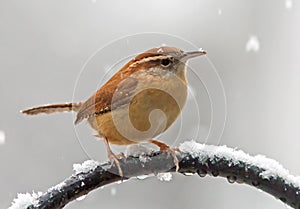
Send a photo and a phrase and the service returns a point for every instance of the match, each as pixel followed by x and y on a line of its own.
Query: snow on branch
pixel 235 165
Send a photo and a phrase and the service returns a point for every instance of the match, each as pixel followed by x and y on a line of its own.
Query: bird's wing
pixel 119 88
pixel 113 95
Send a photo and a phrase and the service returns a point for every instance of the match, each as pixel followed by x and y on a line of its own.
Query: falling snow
pixel 113 191
pixel 289 4
pixel 200 50
pixel 252 44
pixel 160 50
pixel 219 11
pixel 2 137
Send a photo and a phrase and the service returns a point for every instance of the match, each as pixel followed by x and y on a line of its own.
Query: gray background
pixel 44 44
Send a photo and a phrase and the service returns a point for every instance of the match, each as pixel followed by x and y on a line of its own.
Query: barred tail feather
pixel 54 108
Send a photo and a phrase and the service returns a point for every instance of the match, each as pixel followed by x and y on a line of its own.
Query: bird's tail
pixel 54 108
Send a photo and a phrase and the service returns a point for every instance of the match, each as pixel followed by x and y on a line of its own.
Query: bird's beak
pixel 189 55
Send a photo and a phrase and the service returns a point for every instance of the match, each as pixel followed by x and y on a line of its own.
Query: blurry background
pixel 44 45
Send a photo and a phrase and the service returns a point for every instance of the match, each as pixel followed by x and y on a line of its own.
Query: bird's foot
pixel 114 159
pixel 172 152
pixel 169 150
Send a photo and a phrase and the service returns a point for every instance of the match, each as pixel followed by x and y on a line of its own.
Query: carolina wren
pixel 136 104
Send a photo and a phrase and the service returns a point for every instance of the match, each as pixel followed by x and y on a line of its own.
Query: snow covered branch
pixel 235 165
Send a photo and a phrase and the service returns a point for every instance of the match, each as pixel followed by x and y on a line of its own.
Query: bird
pixel 138 103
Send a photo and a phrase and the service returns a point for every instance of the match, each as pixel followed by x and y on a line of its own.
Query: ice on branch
pixel 271 167
pixel 58 187
pixel 24 200
pixel 137 150
pixel 85 167
pixel 194 156
pixel 142 177
pixel 81 198
pixel 164 176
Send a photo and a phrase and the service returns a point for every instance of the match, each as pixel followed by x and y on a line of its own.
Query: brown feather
pixel 100 102
pixel 119 87
pixel 54 108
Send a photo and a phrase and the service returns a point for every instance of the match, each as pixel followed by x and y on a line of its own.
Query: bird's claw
pixel 114 160
pixel 172 152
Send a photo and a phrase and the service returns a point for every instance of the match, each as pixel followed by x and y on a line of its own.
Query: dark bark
pixel 158 162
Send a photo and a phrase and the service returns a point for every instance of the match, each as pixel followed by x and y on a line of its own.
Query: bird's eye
pixel 165 62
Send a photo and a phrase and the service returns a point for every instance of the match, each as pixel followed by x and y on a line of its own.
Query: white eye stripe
pixel 146 59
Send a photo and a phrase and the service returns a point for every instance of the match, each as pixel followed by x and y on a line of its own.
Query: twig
pixel 234 165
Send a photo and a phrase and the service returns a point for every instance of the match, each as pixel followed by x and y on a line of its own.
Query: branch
pixel 235 165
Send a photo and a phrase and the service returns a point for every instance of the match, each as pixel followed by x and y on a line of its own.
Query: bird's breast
pixel 152 109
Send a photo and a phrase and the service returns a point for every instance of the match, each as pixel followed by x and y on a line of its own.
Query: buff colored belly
pixel 150 113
